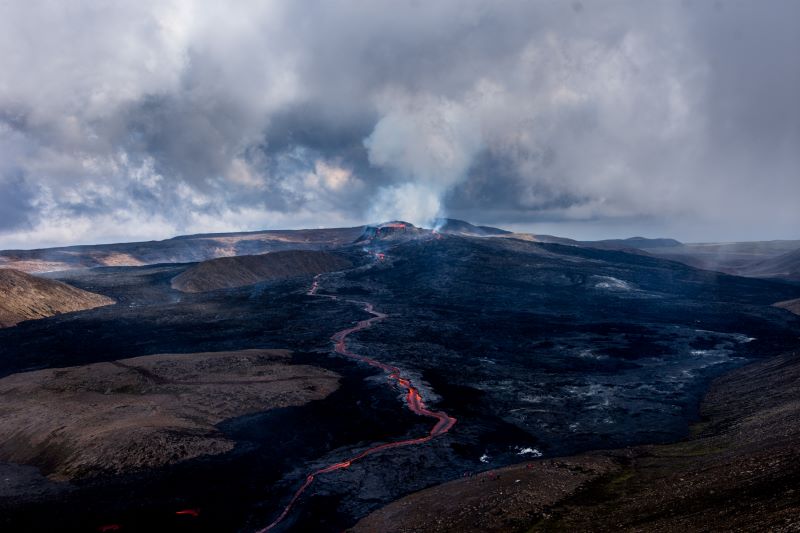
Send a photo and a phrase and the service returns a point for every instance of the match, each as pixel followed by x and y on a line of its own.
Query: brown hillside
pixel 144 412
pixel 26 297
pixel 791 305
pixel 228 272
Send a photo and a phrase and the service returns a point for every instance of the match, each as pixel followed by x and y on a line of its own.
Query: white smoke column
pixel 410 202
pixel 428 144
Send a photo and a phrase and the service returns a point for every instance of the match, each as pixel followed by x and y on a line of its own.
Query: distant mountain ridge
pixel 182 249
pixel 762 259
pixel 772 259
pixel 460 227
pixel 785 266
pixel 633 242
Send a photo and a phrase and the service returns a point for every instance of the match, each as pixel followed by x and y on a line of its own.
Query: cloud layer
pixel 138 120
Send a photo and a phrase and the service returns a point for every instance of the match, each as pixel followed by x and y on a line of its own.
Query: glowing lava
pixel 413 400
pixel 194 513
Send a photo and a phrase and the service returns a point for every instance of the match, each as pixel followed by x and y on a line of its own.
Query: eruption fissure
pixel 413 400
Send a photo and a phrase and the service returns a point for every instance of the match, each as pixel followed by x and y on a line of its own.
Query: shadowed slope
pixel 228 272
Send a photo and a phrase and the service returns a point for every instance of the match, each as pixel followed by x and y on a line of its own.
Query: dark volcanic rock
pixel 535 349
pixel 576 348
pixel 738 473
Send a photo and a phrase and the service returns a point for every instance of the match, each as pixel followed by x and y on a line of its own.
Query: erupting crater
pixel 391 231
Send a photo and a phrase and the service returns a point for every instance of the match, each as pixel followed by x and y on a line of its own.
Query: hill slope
pixel 777 259
pixel 26 297
pixel 785 266
pixel 229 272
pixel 144 412
pixel 184 249
pixel 460 227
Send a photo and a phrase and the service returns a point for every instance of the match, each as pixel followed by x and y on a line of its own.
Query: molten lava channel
pixel 413 400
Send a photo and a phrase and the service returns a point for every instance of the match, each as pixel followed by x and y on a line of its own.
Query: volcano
pixel 304 390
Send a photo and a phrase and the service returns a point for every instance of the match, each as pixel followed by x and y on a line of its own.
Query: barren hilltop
pixel 26 297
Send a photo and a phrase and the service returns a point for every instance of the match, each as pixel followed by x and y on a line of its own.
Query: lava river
pixel 413 400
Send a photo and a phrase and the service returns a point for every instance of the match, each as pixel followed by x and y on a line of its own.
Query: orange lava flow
pixel 413 400
pixel 194 513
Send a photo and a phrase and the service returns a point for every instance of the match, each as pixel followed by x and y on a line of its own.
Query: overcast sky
pixel 131 120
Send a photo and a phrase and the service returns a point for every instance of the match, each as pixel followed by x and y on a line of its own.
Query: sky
pixel 140 120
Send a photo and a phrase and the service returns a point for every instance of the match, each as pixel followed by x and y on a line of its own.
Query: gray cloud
pixel 145 119
pixel 16 201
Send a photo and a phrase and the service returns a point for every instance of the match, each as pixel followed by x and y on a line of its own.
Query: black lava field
pixel 533 349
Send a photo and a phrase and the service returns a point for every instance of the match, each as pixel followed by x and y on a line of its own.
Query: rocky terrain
pixel 737 473
pixel 502 500
pixel 229 272
pixel 26 297
pixel 145 412
pixel 538 350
